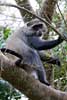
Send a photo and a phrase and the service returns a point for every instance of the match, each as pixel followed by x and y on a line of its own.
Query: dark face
pixel 37 28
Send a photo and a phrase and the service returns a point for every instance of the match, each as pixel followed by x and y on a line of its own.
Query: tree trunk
pixel 25 3
pixel 48 7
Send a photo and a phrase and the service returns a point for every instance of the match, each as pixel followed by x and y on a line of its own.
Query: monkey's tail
pixel 5 50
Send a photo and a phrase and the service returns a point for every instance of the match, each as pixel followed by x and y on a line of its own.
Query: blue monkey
pixel 26 42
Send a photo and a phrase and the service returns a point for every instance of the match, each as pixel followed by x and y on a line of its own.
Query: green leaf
pixel 6 32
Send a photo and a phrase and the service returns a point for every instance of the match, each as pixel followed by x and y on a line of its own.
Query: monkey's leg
pixel 42 76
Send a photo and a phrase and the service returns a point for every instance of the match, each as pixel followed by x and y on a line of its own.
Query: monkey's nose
pixel 39 33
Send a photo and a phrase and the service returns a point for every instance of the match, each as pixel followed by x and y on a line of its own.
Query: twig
pixel 30 12
pixel 61 14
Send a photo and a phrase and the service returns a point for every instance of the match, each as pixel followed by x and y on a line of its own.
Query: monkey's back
pixel 29 55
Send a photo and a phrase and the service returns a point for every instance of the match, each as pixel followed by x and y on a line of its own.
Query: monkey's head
pixel 37 28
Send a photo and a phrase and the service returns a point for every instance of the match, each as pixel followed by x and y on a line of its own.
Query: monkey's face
pixel 37 28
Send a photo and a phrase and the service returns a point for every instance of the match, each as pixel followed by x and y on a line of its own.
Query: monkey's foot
pixel 46 83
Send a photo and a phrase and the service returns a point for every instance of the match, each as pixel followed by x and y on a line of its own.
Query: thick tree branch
pixel 22 8
pixel 27 84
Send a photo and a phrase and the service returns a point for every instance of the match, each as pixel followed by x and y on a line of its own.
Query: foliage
pixel 61 52
pixel 7 92
pixel 6 32
pixel 60 74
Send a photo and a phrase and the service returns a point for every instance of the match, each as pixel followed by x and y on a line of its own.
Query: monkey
pixel 26 42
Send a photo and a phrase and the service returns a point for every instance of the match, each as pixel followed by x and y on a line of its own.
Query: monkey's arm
pixel 41 44
pixel 49 59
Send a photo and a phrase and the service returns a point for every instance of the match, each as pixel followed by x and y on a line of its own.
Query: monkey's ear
pixel 37 26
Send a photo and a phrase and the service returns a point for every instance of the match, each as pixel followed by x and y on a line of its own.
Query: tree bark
pixel 48 7
pixel 25 3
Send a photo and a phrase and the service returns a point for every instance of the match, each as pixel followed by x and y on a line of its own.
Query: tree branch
pixel 26 84
pixel 30 12
pixel 61 14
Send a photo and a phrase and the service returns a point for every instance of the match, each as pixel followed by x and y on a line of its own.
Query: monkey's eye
pixel 37 26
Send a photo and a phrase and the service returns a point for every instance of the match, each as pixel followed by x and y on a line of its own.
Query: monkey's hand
pixel 54 60
pixel 60 39
pixel 57 60
pixel 49 59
